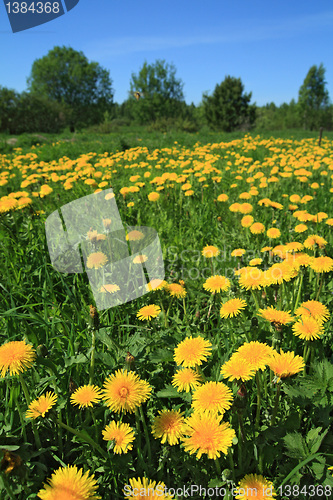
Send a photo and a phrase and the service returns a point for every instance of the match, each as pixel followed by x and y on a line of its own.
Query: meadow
pixel 217 382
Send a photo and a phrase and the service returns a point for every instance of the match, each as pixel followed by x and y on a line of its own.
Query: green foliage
pixel 65 76
pixel 228 108
pixel 161 93
pixel 313 99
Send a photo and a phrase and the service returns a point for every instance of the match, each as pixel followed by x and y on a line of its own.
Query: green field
pixel 244 222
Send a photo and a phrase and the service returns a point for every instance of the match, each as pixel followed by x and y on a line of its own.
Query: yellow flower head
pixel 256 354
pixel 16 357
pixel 217 284
pixel 86 395
pixel 125 391
pixel 285 364
pixel 42 405
pixel 69 483
pixel 121 434
pixel 255 487
pixel 192 351
pixel 186 379
pixel 232 308
pixel 237 369
pixel 148 312
pixel 176 290
pixel 307 328
pixel 169 426
pixel 212 396
pixel 207 435
pixel 210 251
pixel 314 309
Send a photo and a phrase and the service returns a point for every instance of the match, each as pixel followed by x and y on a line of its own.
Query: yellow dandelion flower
pixel 174 289
pixel 169 426
pixel 148 312
pixel 155 284
pixel 275 316
pixel 207 435
pixel 134 235
pixel 215 397
pixel 140 259
pixel 300 228
pixel 246 208
pixel 314 309
pixel 247 221
pixel 256 354
pixel 186 379
pixel 192 351
pixel 253 486
pixel 273 232
pixel 285 364
pixel 307 328
pixel 237 369
pixel 96 260
pixel 314 240
pixel 16 357
pixel 69 483
pixel 217 284
pixel 145 489
pixel 322 264
pixel 42 405
pixel 257 228
pixel 86 395
pixel 153 196
pixel 210 251
pixel 122 436
pixel 110 288
pixel 232 308
pixel 238 252
pixel 255 262
pixel 125 391
pixel 223 197
pixel 251 278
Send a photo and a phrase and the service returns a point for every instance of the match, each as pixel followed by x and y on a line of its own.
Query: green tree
pixel 8 109
pixel 83 88
pixel 161 93
pixel 313 98
pixel 228 108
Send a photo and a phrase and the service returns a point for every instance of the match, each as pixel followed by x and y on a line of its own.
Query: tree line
pixel 65 90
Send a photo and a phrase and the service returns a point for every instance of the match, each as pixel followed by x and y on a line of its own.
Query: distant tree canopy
pixel 228 108
pixel 313 99
pixel 162 93
pixel 83 88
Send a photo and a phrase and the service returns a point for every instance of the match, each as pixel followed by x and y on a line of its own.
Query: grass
pixel 282 428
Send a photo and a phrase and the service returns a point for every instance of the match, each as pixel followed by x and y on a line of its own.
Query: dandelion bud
pixel 94 316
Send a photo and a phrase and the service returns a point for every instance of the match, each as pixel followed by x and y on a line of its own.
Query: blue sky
pixel 270 45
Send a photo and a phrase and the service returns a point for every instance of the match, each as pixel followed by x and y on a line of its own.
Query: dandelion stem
pixel 255 298
pixel 84 436
pixel 167 314
pixel 92 359
pixel 320 287
pixel 258 401
pixel 27 397
pixel 95 424
pixel 146 433
pixel 276 404
pixel 138 441
pixel 218 467
pixel 299 292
